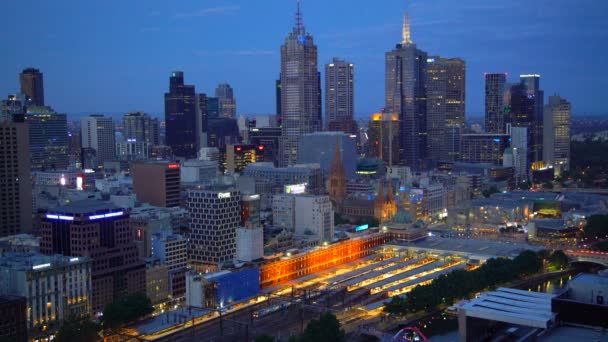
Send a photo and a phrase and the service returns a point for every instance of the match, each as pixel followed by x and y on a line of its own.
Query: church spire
pixel 406 30
pixel 299 28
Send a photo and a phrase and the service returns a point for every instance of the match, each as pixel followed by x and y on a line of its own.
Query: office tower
pixel 495 106
pixel 483 148
pixel 101 231
pixel 140 127
pixel 12 105
pixel 278 95
pixel 226 100
pixel 445 91
pixel 48 138
pixel 222 132
pixel 215 214
pixel 452 141
pixel 132 150
pixel 240 155
pixel 202 121
pixel 55 288
pixel 157 183
pixel 180 117
pixel 405 96
pixel 269 138
pixel 213 107
pixel 15 187
pixel 308 216
pixel 519 151
pixel 32 86
pixel 300 107
pixel 534 93
pixel 337 175
pixel 250 210
pixel 556 137
pixel 384 137
pixel 14 325
pixel 171 249
pixel 97 133
pixel 319 148
pixel 339 91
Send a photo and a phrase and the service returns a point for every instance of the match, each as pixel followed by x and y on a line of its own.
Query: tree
pixel 597 227
pixel 558 259
pixel 77 329
pixel 264 338
pixel 126 310
pixel 396 306
pixel 325 329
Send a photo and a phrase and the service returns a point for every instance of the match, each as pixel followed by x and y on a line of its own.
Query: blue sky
pixel 115 56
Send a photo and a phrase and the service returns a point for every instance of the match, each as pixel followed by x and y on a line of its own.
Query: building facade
pixel 405 82
pixel 48 139
pixel 102 232
pixel 13 327
pixel 15 188
pixel 300 91
pixel 319 148
pixel 495 106
pixel 180 117
pixel 141 128
pixel 97 133
pixel 55 287
pixel 384 138
pixel 214 217
pixel 32 85
pixel 166 179
pixel 339 91
pixel 483 148
pixel 556 137
pixel 226 101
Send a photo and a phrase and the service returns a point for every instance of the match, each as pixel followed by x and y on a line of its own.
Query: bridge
pixel 584 255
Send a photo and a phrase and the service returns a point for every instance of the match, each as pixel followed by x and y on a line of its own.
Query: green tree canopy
pixel 126 309
pixel 597 226
pixel 76 329
pixel 325 329
pixel 558 259
pixel 264 338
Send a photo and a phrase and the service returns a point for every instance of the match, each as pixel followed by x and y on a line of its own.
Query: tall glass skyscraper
pixel 405 77
pixel 339 92
pixel 48 135
pixel 180 117
pixel 300 93
pixel 227 102
pixel 32 85
pixel 141 127
pixel 495 106
pixel 556 137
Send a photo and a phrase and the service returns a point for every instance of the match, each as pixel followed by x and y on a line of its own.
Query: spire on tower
pixel 299 28
pixel 406 29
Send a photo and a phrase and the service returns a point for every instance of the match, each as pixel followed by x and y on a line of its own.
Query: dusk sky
pixel 116 56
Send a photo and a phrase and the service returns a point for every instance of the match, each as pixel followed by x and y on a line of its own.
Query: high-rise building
pixel 227 102
pixel 48 138
pixel 339 91
pixel 15 187
pixel 305 215
pixel 405 96
pixel 55 287
pixel 202 121
pixel 519 152
pixel 101 231
pixel 14 325
pixel 384 137
pixel 180 117
pixel 445 91
pixel 337 176
pixel 170 249
pixel 300 90
pixel 97 132
pixel 32 86
pixel 215 214
pixel 222 132
pixel 556 137
pixel 483 148
pixel 269 138
pixel 240 155
pixel 495 106
pixel 277 90
pixel 164 176
pixel 140 127
pixel 533 92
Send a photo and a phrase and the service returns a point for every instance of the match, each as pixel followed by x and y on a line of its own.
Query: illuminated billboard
pixel 296 188
pixel 362 227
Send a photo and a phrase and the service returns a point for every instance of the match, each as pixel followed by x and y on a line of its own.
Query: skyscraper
pixel 227 102
pixel 32 85
pixel 445 93
pixel 495 106
pixel 384 137
pixel 48 133
pixel 180 117
pixel 97 132
pixel 339 91
pixel 300 94
pixel 15 187
pixel 533 91
pixel 556 137
pixel 166 179
pixel 405 77
pixel 141 127
pixel 202 120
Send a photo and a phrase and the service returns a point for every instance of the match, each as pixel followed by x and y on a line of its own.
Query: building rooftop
pixel 84 207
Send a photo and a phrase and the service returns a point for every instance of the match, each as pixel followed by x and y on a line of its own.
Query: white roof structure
pixel 526 308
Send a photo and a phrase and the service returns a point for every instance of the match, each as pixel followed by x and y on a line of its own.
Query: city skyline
pixel 133 75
